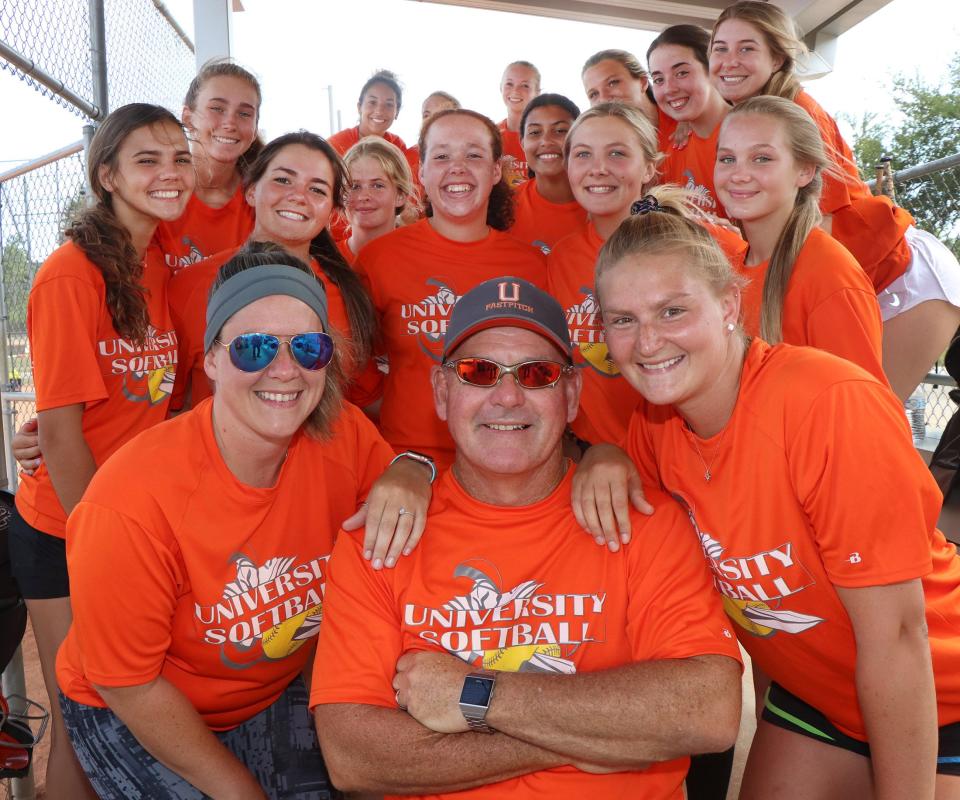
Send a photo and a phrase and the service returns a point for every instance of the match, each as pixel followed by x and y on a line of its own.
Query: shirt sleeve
pixel 123 589
pixel 674 611
pixel 64 316
pixel 871 502
pixel 360 638
pixel 847 323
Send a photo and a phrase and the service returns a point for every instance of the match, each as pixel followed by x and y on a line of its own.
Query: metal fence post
pixel 98 56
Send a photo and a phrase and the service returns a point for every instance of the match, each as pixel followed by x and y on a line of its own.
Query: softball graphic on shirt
pixel 586 334
pixel 268 612
pixel 485 595
pixel 755 587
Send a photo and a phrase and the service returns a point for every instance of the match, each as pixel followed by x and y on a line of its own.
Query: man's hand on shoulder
pixel 428 685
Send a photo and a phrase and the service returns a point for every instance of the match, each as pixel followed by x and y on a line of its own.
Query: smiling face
pixel 293 198
pixel 152 177
pixel 681 85
pixel 505 430
pixel 741 61
pixel 272 404
pixel 756 175
pixel 611 81
pixel 374 197
pixel 666 329
pixel 378 110
pixel 607 168
pixel 543 137
pixel 458 170
pixel 518 87
pixel 224 121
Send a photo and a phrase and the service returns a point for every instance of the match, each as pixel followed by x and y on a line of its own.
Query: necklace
pixel 707 474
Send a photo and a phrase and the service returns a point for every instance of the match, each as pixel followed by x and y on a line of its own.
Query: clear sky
pixel 298 47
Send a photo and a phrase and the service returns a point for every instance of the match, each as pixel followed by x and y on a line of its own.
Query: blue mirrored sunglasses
pixel 252 352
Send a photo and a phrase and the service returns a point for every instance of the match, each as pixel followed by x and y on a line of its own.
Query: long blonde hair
pixel 645 132
pixel 806 147
pixel 781 37
pixel 667 222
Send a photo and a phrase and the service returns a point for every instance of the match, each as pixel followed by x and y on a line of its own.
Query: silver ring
pixel 400 705
pixel 403 511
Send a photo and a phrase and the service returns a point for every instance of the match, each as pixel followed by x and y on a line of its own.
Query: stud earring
pixel 730 327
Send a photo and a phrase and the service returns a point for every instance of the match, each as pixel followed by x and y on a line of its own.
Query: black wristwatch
pixel 413 455
pixel 475 699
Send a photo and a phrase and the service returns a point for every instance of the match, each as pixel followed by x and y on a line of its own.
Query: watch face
pixel 476 691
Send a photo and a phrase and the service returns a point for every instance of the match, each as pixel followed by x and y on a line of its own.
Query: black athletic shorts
pixel 38 561
pixel 785 710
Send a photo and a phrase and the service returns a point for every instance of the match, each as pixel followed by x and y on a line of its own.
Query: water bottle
pixel 916 408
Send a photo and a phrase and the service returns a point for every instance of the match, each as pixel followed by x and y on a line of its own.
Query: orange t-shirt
pixel 415 277
pixel 522 589
pixel 516 170
pixel 606 400
pixel 870 227
pixel 189 292
pixel 815 484
pixel 541 223
pixel 219 585
pixel 348 137
pixel 692 167
pixel 78 357
pixel 348 255
pixel 829 303
pixel 202 231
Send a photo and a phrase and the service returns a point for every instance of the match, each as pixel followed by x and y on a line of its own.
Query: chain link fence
pixel 54 36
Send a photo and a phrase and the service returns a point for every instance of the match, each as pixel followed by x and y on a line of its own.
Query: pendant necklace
pixel 707 474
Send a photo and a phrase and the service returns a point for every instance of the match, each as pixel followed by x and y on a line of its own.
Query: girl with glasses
pixel 212 532
pixel 104 355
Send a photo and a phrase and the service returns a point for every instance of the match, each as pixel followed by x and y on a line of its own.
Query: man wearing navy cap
pixel 509 656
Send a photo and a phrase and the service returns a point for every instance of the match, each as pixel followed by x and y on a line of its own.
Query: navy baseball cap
pixel 507 302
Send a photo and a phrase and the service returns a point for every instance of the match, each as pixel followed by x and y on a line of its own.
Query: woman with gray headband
pixel 198 559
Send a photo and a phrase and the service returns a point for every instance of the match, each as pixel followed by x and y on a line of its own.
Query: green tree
pixel 18 272
pixel 928 129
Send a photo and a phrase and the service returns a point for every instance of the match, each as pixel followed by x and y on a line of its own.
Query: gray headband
pixel 253 284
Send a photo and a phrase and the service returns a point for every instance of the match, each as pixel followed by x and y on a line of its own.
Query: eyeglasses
pixel 252 352
pixel 485 372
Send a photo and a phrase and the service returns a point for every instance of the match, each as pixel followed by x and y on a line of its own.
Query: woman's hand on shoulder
pixel 394 513
pixel 605 484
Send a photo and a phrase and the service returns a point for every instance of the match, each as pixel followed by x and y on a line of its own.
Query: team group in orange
pixel 470 468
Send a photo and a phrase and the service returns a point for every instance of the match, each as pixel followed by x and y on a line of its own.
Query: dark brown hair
pixel 693 37
pixel 500 205
pixel 360 311
pixel 388 79
pixel 222 67
pixel 102 237
pixel 257 254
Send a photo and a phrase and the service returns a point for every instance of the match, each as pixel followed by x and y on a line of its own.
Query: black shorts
pixel 787 711
pixel 38 561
